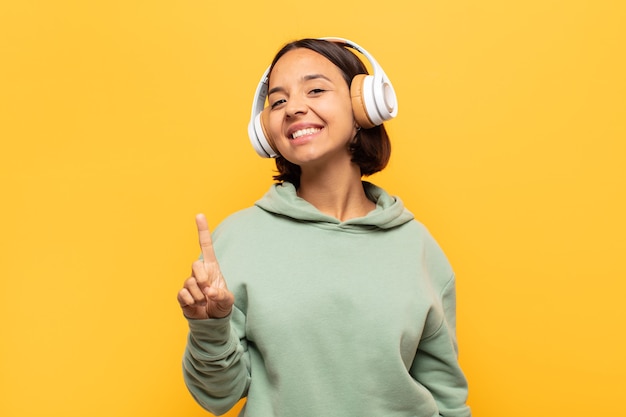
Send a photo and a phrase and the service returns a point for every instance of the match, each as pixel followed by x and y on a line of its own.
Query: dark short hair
pixel 372 148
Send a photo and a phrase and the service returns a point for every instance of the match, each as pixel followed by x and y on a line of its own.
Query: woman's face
pixel 310 115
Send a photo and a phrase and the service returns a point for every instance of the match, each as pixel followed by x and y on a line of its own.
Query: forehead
pixel 298 63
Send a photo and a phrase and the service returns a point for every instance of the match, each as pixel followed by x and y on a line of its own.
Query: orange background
pixel 119 120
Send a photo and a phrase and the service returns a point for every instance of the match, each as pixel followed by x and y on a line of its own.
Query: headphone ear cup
pixel 258 134
pixel 359 108
pixel 265 122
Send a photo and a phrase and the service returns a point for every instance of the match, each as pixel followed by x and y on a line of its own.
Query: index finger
pixel 204 237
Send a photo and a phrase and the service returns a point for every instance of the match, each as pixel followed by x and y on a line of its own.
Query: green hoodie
pixel 331 318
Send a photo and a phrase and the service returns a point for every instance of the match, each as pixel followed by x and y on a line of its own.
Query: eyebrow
pixel 305 78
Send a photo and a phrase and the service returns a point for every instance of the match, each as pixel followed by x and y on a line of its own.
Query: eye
pixel 277 103
pixel 316 91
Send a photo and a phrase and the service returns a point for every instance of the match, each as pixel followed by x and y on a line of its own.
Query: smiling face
pixel 310 113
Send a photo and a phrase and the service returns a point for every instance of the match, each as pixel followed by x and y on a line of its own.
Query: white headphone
pixel 373 101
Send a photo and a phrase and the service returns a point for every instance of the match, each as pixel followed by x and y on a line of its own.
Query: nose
pixel 295 105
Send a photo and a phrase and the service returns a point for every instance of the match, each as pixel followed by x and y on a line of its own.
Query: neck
pixel 337 192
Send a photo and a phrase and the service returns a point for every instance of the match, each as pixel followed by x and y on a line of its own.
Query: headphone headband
pixel 373 100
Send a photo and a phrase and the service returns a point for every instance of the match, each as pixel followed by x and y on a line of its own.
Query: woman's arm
pixel 216 366
pixel 436 363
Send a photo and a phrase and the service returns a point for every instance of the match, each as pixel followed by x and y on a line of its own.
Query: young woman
pixel 329 298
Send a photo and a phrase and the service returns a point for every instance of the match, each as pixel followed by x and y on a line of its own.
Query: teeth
pixel 307 131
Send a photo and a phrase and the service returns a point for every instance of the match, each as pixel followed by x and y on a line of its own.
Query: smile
pixel 303 132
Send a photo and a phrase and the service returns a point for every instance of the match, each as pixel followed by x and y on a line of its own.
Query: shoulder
pixel 432 256
pixel 419 232
pixel 242 220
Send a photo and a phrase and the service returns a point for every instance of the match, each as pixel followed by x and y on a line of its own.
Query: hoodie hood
pixel 283 200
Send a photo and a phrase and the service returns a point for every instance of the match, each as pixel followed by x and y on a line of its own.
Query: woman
pixel 329 298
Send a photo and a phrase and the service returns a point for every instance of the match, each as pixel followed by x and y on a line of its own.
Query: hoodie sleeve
pixel 216 366
pixel 436 363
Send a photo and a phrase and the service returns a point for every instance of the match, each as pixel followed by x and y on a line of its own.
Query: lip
pixel 300 126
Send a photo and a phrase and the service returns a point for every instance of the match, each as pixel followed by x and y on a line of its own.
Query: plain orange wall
pixel 119 120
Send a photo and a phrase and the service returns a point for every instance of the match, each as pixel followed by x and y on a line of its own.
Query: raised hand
pixel 205 294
